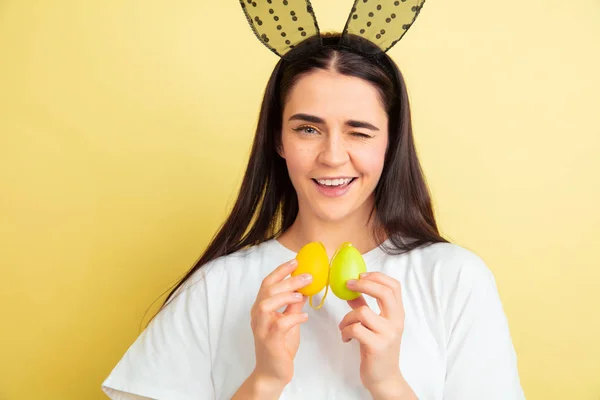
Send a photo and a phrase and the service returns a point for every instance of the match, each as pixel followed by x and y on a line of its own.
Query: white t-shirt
pixel 456 343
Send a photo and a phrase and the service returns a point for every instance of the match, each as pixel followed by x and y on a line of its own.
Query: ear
pixel 279 148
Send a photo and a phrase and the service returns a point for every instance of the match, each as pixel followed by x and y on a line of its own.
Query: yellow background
pixel 125 127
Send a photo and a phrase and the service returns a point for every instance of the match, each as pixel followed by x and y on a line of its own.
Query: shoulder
pixel 442 273
pixel 248 264
pixel 461 281
pixel 448 254
pixel 450 261
pixel 269 253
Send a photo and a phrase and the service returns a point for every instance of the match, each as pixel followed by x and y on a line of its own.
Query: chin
pixel 332 213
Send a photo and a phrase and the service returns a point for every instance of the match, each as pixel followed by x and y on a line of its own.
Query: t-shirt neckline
pixel 368 256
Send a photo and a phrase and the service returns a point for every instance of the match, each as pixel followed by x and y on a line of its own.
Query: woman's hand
pixel 379 335
pixel 277 334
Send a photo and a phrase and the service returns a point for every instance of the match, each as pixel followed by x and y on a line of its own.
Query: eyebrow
pixel 318 120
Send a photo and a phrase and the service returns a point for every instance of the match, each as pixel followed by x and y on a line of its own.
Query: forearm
pixel 396 389
pixel 257 388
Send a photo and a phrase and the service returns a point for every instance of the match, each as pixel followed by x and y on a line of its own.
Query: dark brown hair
pixel 267 204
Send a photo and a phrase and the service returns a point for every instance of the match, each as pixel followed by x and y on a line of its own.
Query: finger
pixel 288 285
pixel 262 311
pixel 386 280
pixel 360 333
pixel 271 304
pixel 367 317
pixel 295 308
pixel 384 295
pixel 287 322
pixel 279 273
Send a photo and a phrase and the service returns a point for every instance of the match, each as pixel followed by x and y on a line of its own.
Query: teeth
pixel 334 182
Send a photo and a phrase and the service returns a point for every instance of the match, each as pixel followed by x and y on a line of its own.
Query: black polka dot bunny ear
pixel 281 24
pixel 382 22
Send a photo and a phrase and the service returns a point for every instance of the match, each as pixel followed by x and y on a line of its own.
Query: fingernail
pixel 293 262
pixel 351 282
pixel 364 274
pixel 298 295
pixel 306 277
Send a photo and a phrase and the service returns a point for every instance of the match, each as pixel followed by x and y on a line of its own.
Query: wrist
pixel 264 387
pixel 395 388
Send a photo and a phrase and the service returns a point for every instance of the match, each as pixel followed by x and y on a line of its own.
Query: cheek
pixel 298 158
pixel 369 160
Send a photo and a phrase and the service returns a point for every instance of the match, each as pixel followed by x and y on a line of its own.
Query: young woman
pixel 333 161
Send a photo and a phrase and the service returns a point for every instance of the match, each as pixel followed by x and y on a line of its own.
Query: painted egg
pixel 346 264
pixel 312 259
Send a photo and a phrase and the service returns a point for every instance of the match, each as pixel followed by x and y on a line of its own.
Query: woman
pixel 333 161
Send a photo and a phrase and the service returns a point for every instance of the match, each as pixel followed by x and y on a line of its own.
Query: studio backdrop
pixel 125 127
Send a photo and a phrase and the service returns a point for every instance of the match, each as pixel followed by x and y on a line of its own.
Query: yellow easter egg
pixel 346 264
pixel 312 259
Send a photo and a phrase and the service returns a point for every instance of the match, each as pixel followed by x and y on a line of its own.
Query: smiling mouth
pixel 334 183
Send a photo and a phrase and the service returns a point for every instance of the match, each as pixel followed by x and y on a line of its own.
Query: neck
pixel 357 229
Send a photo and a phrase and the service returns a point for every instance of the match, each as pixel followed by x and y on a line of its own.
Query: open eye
pixel 307 130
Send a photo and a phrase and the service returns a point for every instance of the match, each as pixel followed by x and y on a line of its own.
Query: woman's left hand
pixel 379 335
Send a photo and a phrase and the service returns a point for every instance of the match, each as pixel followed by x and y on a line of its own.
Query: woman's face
pixel 334 139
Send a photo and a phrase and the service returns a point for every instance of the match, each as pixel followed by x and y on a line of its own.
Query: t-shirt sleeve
pixel 481 359
pixel 171 359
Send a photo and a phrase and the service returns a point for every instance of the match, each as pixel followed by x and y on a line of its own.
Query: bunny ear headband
pixel 282 24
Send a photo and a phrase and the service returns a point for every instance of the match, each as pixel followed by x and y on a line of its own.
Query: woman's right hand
pixel 277 334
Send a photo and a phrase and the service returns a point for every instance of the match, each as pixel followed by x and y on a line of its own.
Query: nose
pixel 333 152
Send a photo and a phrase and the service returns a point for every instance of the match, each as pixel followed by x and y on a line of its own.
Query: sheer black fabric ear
pixel 281 24
pixel 382 22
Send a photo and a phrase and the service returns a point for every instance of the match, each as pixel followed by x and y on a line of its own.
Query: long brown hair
pixel 267 204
